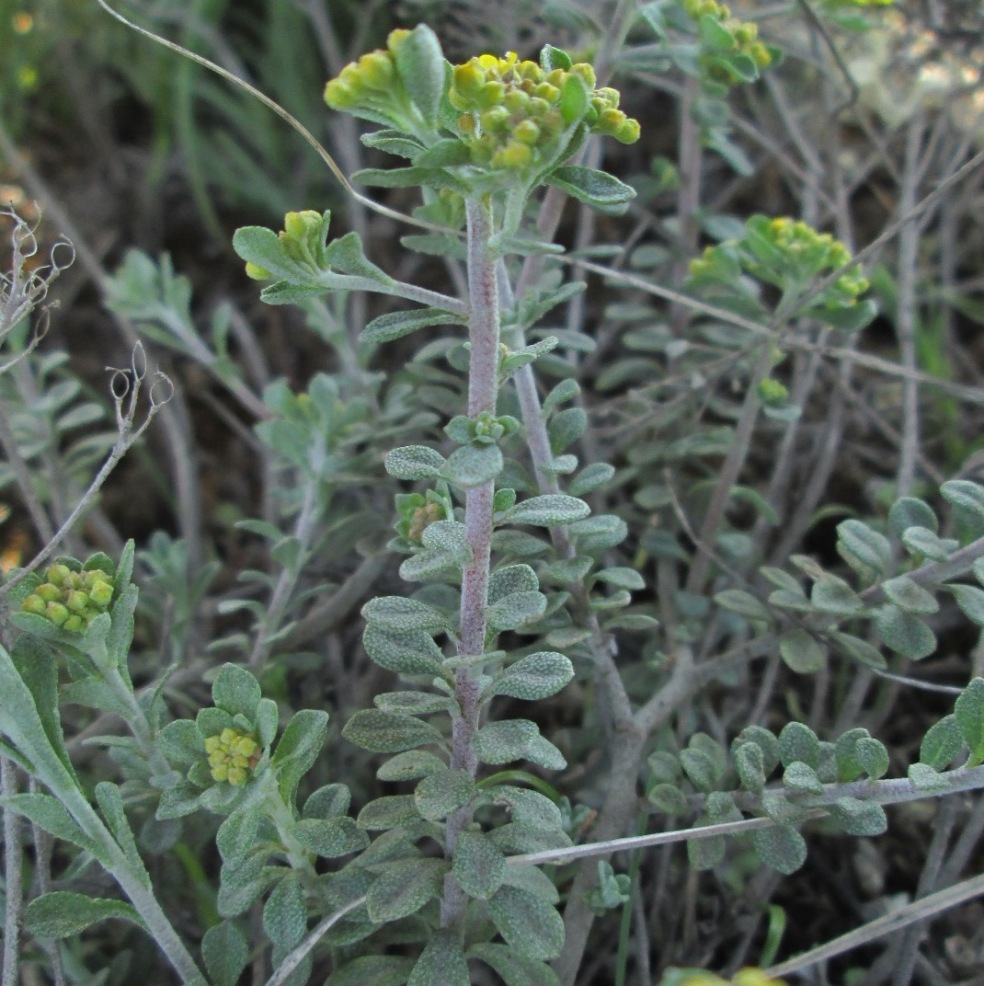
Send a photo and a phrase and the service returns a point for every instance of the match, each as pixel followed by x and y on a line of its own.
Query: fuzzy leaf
pixel 389 732
pixel 473 465
pixel 856 817
pixel 834 595
pixel 285 914
pixel 414 462
pixel 400 613
pixel 867 551
pixel 395 325
pixel 516 610
pixel 49 814
pixel 904 633
pixel 800 651
pixel 409 652
pixel 404 887
pixel 550 510
pixel 743 603
pixel 534 677
pixel 968 712
pixel 799 777
pixel 909 512
pixel 372 970
pixel 410 765
pixel 780 847
pixel 942 742
pixel 598 189
pixel 420 66
pixel 798 742
pixel 64 913
pixel 298 748
pixel 503 742
pixel 512 578
pixel 513 969
pixel 478 865
pixel 441 962
pixel 530 925
pixel 970 599
pixel 225 952
pixel 330 837
pixel 236 690
pixel 388 812
pixel 909 596
pixel 858 650
pixel 442 792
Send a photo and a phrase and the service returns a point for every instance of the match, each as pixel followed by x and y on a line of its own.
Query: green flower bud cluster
pixel 834 4
pixel 779 249
pixel 232 756
pixel 303 240
pixel 744 39
pixel 417 512
pixel 514 114
pixel 369 82
pixel 71 599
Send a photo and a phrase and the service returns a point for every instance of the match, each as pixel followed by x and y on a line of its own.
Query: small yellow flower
pixel 232 756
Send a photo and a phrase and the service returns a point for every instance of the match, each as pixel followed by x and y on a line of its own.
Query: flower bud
pixel 513 155
pixel 232 756
pixel 58 573
pixel 48 592
pixel 257 273
pixel 77 601
pixel 57 613
pixel 34 604
pixel 396 38
pixel 586 72
pixel 491 94
pixel 101 594
pixel 76 623
pixel 468 79
pixel 377 70
pixel 527 132
pixel 628 132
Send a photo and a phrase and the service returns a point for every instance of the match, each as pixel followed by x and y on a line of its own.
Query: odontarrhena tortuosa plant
pixel 481 139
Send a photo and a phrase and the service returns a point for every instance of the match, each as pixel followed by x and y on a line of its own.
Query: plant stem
pixel 483 385
pixel 12 876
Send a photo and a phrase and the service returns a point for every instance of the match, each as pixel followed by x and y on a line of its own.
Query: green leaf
pixel 534 677
pixel 833 595
pixel 410 765
pixel 63 913
pixel 781 847
pixel 503 742
pixel 261 246
pixel 420 66
pixel 623 578
pixel 970 599
pixel 441 962
pixel 346 256
pixel 705 854
pixel 909 596
pixel 858 650
pixel 848 765
pixel 800 651
pixel 856 817
pixel 473 465
pixel 236 690
pixel 394 325
pixel 400 613
pixel 414 462
pixel 298 748
pixel 237 834
pixel 909 512
pixel 388 812
pixel 442 792
pixel 530 925
pixel 285 914
pixel 479 865
pixel 372 970
pixel 516 610
pixel 590 478
pixel 330 837
pixel 404 887
pixel 921 541
pixel 700 769
pixel 598 189
pixel 798 742
pixel 941 744
pixel 550 510
pixel 851 318
pixel 49 814
pixel 447 153
pixel 865 550
pixel 225 952
pixel 872 756
pixel 744 603
pixel 968 501
pixel 668 799
pixel 389 732
pixel 409 652
pixel 968 711
pixel 925 778
pixel 411 177
pixel 513 969
pixel 800 777
pixel 750 764
pixel 904 633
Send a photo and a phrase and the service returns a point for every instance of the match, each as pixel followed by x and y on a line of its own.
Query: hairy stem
pixel 483 385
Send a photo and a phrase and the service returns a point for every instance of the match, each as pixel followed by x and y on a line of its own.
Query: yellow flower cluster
pixel 816 251
pixel 744 35
pixel 368 81
pixel 513 113
pixel 71 600
pixel 232 756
